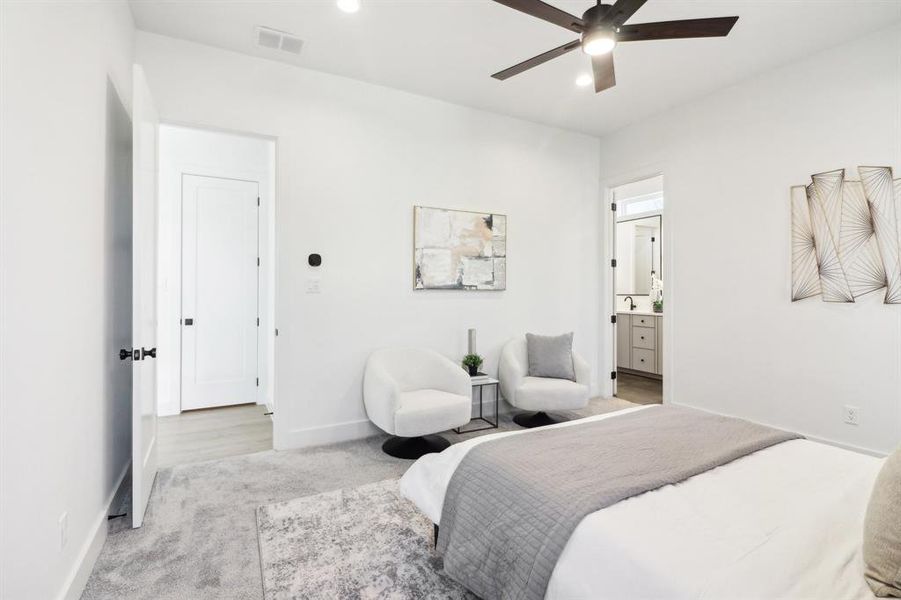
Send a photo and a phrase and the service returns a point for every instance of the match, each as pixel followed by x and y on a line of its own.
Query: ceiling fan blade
pixel 536 60
pixel 602 69
pixel 621 11
pixel 669 30
pixel 546 12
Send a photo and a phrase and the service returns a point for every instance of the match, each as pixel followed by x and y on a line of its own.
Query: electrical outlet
pixel 851 414
pixel 63 530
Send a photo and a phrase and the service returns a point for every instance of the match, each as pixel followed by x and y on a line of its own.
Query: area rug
pixel 364 542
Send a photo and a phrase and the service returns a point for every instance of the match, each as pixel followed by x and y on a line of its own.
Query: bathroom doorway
pixel 638 282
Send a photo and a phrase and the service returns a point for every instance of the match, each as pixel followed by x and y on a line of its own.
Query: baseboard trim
pixel 167 410
pixel 327 434
pixel 645 374
pixel 812 438
pixel 90 550
pixel 844 446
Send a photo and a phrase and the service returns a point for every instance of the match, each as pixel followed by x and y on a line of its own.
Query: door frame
pixel 608 304
pixel 170 287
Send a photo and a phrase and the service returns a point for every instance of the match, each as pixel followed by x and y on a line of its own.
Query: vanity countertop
pixel 644 313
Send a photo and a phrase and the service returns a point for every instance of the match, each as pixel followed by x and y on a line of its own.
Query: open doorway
pixel 216 224
pixel 638 294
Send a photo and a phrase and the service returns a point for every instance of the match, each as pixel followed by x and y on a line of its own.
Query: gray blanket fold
pixel 513 503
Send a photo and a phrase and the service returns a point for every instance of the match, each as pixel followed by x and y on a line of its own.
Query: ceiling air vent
pixel 273 39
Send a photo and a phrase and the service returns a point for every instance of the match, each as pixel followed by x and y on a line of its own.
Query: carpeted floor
pixel 199 538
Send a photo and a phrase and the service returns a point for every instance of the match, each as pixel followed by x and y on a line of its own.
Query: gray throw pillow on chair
pixel 551 356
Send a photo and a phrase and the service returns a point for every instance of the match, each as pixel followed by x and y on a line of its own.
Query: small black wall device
pixel 315 260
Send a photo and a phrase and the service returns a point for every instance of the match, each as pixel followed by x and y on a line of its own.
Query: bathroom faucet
pixel 631 302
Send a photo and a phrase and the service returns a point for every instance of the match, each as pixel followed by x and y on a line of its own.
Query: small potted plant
pixel 472 362
pixel 658 306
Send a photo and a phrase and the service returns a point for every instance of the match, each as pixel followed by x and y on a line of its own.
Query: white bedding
pixel 784 522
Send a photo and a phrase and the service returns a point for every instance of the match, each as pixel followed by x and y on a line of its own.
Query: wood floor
pixel 641 390
pixel 199 435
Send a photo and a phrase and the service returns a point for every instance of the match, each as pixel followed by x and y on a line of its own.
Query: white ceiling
pixel 448 49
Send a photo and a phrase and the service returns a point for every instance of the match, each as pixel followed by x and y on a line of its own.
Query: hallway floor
pixel 199 435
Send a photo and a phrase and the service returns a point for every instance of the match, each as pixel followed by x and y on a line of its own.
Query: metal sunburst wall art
pixel 846 236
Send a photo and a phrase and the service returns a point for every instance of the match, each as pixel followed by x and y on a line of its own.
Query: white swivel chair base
pixel 536 419
pixel 414 447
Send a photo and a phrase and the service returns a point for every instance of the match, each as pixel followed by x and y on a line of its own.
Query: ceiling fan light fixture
pixel 598 41
pixel 349 6
pixel 600 28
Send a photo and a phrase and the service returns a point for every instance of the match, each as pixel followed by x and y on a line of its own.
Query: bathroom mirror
pixel 638 254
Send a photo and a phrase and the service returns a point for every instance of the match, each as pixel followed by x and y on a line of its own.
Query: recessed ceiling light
pixel 349 6
pixel 584 80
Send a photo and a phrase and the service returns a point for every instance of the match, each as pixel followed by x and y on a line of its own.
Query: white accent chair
pixel 540 394
pixel 410 393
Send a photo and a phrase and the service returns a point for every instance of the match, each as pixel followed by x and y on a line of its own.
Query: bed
pixel 782 522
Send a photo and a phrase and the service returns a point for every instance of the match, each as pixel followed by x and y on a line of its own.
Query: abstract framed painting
pixel 459 250
pixel 846 236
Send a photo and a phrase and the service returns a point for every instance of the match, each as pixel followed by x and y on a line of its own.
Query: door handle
pixel 145 353
pixel 189 322
pixel 125 353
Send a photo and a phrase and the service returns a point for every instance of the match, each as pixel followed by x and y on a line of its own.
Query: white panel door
pixel 219 292
pixel 145 130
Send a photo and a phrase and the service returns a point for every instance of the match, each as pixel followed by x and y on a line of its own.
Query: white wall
pixel 353 160
pixel 64 403
pixel 214 154
pixel 735 342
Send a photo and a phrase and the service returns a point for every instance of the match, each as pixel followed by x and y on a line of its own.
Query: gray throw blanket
pixel 513 503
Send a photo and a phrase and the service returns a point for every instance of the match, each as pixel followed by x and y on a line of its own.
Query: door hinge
pixel 258 261
pixel 613 207
pixel 613 263
pixel 258 321
pixel 258 382
pixel 612 374
pixel 613 319
pixel 258 200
